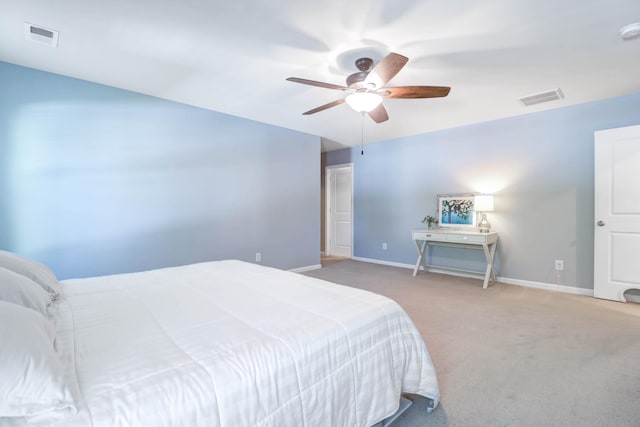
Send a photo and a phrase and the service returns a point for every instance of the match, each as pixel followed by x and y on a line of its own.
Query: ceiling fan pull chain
pixel 362 133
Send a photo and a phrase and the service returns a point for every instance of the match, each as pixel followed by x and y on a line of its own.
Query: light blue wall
pixel 539 166
pixel 97 180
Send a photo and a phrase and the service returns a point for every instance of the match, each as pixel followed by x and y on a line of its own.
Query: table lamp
pixel 483 204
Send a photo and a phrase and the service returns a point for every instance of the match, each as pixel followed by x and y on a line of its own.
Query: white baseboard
pixel 548 286
pixel 307 268
pixel 507 280
pixel 379 261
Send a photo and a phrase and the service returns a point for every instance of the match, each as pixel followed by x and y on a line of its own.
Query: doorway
pixel 339 211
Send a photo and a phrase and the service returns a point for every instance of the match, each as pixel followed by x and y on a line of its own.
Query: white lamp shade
pixel 483 203
pixel 363 102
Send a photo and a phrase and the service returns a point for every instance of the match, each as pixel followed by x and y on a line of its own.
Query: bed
pixel 229 343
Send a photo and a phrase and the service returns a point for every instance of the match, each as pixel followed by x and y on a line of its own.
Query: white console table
pixel 487 242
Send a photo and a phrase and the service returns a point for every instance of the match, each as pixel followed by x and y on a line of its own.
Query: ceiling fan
pixel 365 87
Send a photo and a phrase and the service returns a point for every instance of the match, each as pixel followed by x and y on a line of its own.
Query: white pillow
pixel 31 377
pixel 21 290
pixel 39 273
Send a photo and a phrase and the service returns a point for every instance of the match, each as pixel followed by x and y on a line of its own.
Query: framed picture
pixel 456 210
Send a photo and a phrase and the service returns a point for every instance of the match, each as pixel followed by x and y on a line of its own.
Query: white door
pixel 617 212
pixel 340 210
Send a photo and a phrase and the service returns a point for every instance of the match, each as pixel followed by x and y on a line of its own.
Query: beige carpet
pixel 513 356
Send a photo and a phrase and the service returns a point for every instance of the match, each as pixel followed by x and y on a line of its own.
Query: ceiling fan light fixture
pixel 363 102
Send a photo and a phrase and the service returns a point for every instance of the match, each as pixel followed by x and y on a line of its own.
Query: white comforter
pixel 233 344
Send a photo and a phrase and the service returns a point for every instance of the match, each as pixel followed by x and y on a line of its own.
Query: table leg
pixel 489 253
pixel 421 250
pixel 493 268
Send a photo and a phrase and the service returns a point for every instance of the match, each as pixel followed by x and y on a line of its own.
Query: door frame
pixel 329 172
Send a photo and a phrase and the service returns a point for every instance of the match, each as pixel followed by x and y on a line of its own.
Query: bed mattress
pixel 228 343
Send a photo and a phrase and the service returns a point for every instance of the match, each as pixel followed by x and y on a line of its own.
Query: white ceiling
pixel 233 56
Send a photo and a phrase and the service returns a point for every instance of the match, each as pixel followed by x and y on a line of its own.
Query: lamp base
pixel 483 225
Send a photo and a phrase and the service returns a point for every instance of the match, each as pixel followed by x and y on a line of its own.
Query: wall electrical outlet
pixel 258 257
pixel 559 265
pixel 384 246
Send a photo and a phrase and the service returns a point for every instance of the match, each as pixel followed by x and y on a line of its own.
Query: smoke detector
pixel 630 31
pixel 39 34
pixel 539 98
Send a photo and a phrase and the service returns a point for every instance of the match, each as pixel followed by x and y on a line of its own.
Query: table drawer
pixel 461 238
pixel 425 235
pixel 435 237
pixel 419 235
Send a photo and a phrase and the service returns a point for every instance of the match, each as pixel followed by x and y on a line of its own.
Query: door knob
pixel 600 223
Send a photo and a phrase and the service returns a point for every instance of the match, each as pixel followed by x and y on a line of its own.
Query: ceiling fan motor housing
pixel 364 65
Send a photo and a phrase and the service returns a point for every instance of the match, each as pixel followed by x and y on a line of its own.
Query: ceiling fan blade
pixel 324 107
pixel 379 114
pixel 385 70
pixel 315 83
pixel 416 91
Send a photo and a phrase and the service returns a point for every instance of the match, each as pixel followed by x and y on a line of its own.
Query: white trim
pixel 307 268
pixel 328 172
pixel 379 261
pixel 547 286
pixel 509 281
pixel 327 209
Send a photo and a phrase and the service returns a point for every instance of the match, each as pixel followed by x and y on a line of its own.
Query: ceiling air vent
pixel 539 98
pixel 39 34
